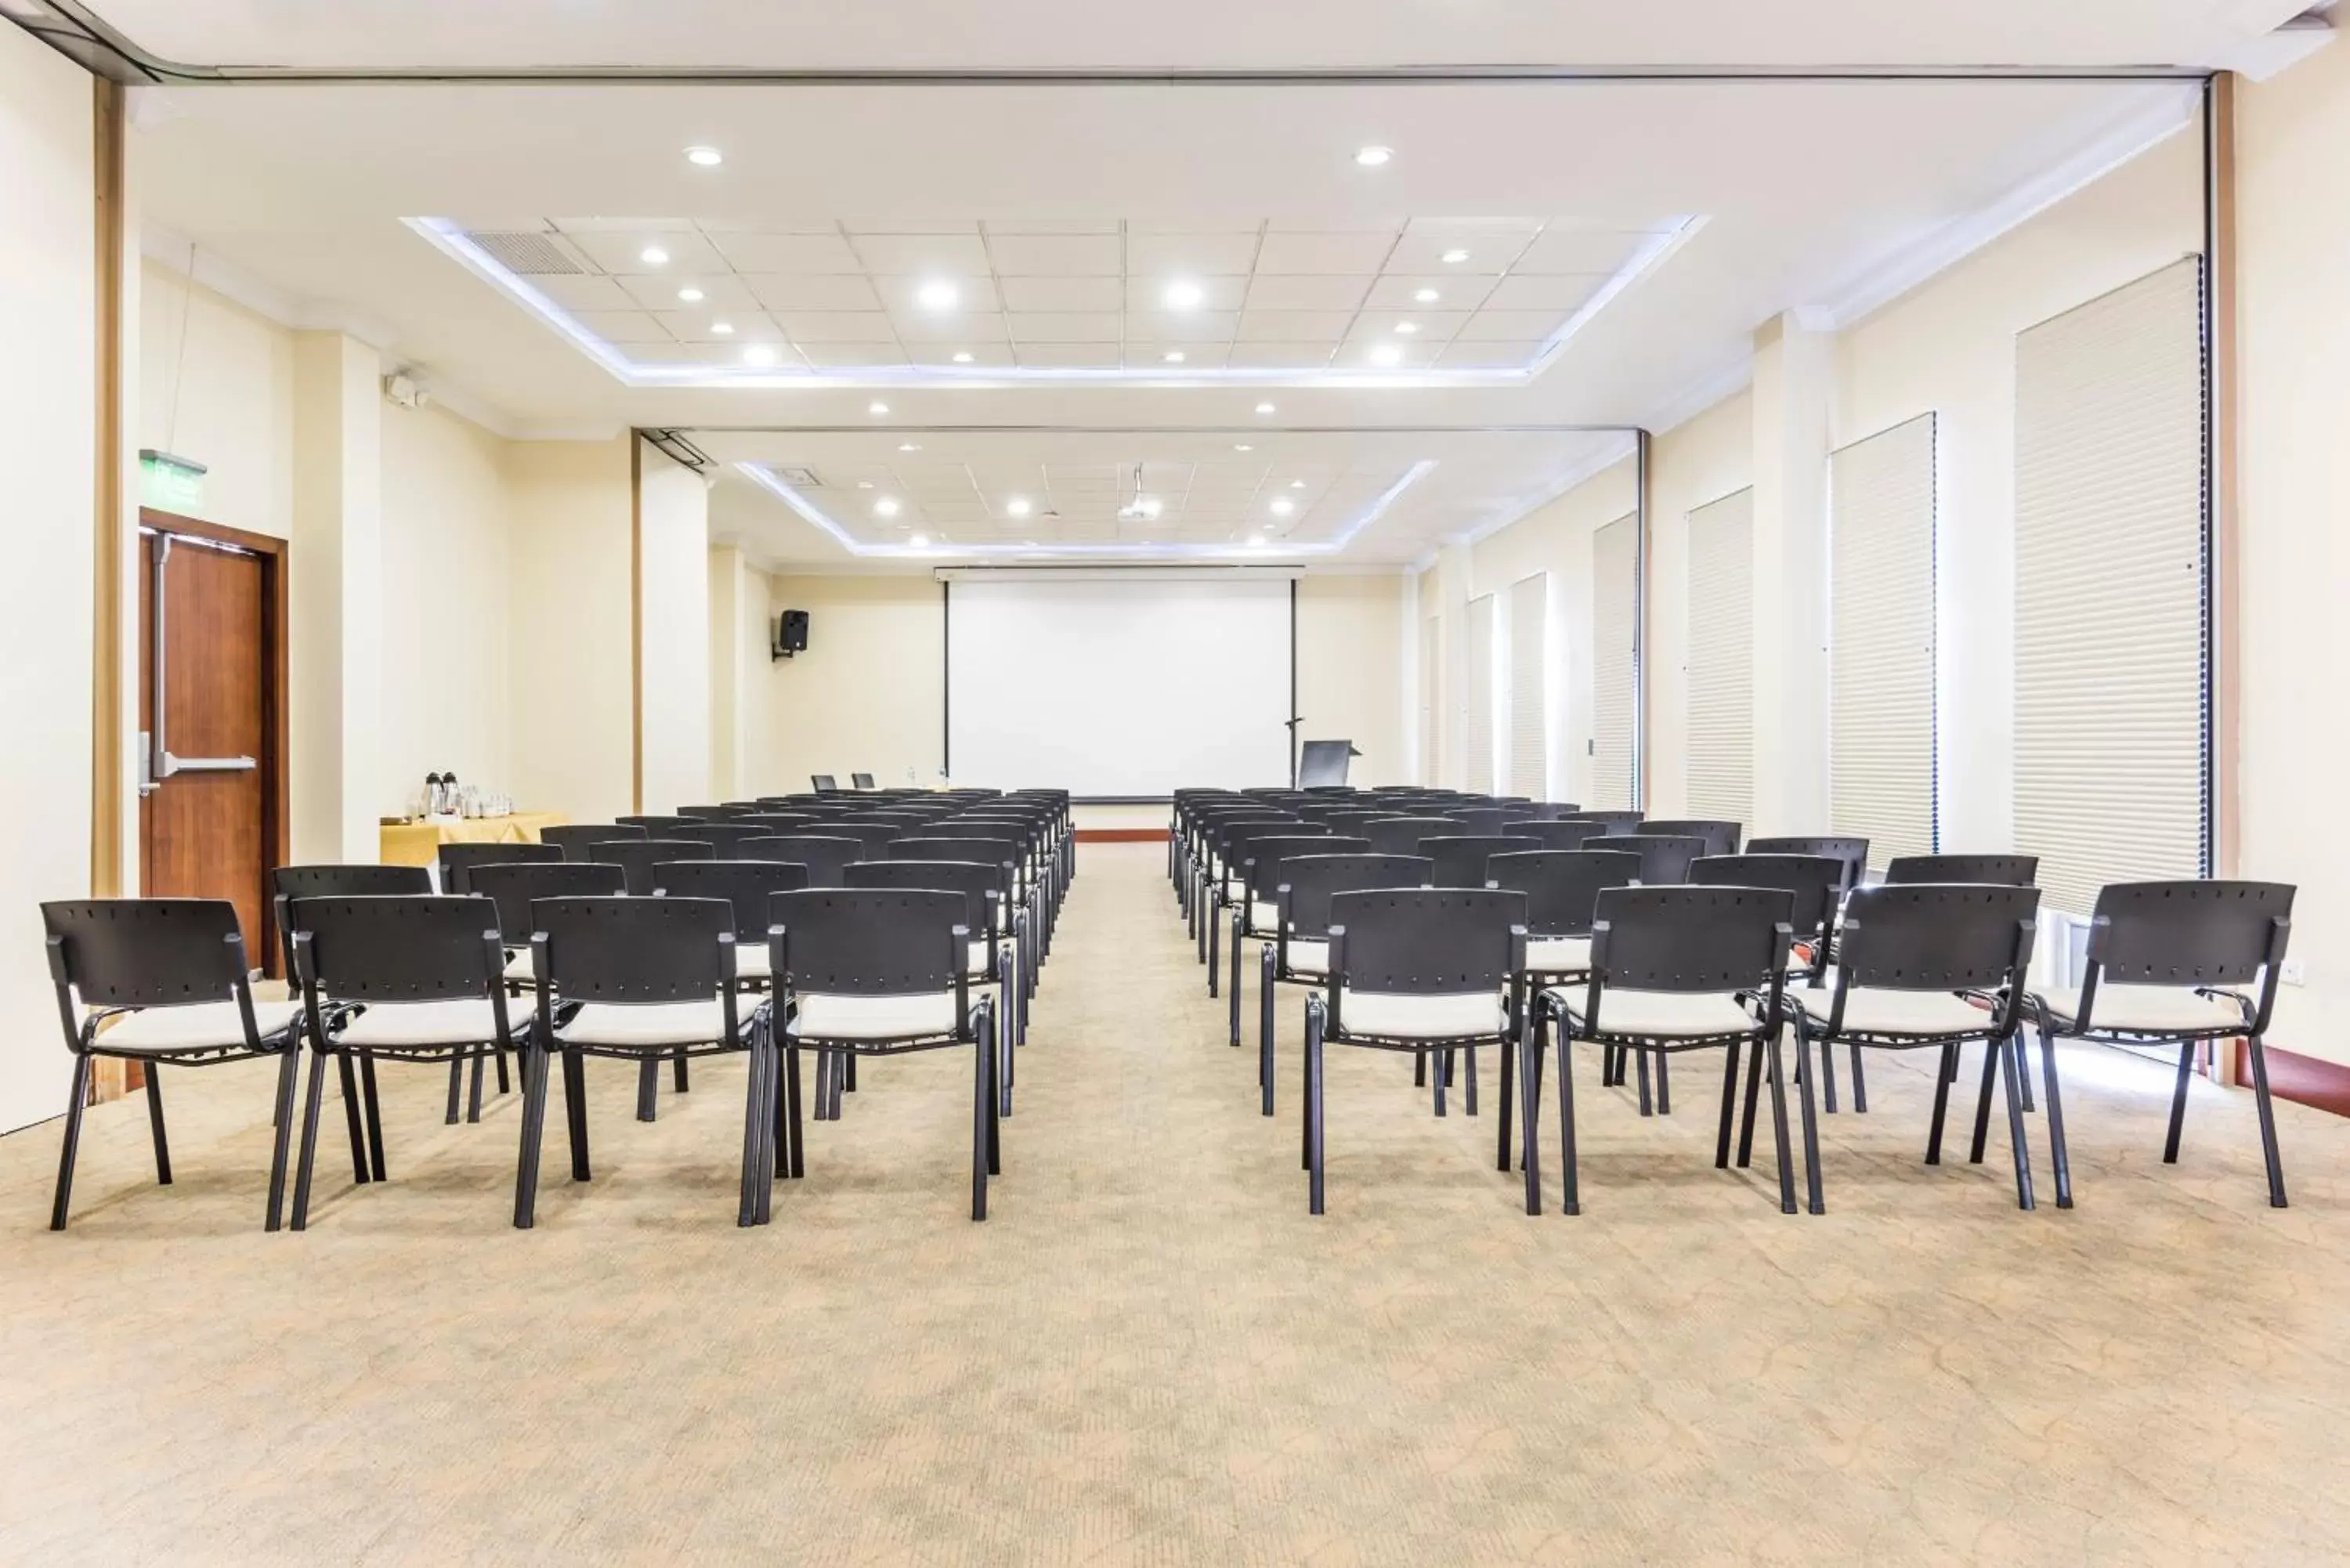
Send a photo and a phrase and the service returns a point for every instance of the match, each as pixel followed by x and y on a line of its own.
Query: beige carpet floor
pixel 1151 1354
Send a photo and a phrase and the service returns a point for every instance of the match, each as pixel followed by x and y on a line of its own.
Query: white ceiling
pixel 1082 35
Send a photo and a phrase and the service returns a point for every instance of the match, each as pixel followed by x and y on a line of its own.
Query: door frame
pixel 277 821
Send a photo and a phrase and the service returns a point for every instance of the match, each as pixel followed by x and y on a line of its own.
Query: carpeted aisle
pixel 1151 1354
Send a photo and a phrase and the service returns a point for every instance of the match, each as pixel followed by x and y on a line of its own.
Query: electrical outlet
pixel 2292 972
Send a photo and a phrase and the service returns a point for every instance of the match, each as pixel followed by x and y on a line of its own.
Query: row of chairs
pixel 879 949
pixel 1525 942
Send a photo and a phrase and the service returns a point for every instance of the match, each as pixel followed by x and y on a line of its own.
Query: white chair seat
pixel 1877 1010
pixel 198 1026
pixel 827 1016
pixel 1391 1015
pixel 651 1024
pixel 1262 917
pixel 754 960
pixel 1660 1014
pixel 2144 1010
pixel 1309 956
pixel 981 960
pixel 518 967
pixel 461 1021
pixel 1558 955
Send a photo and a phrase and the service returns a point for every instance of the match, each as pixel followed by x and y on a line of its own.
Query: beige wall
pixel 568 597
pixel 216 384
pixel 1691 465
pixel 870 693
pixel 2294 237
pixel 1350 665
pixel 673 591
pixel 48 448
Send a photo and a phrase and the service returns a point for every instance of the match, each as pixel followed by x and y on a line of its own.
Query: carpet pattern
pixel 1151 1354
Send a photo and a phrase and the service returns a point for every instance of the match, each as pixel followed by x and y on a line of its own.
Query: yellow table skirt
pixel 419 842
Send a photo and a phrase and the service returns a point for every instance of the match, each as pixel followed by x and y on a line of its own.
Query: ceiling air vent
pixel 799 478
pixel 528 253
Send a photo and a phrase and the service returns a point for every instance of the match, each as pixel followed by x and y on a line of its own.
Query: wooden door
pixel 211 811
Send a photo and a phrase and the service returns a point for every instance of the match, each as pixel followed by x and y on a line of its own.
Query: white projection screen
pixel 1118 687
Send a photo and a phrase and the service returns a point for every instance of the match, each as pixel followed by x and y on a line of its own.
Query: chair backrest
pixel 1930 936
pixel 876 837
pixel 1428 942
pixel 860 781
pixel 871 942
pixel 825 783
pixel 397 948
pixel 1562 886
pixel 727 838
pixel 747 885
pixel 1720 837
pixel 1815 881
pixel 982 849
pixel 636 950
pixel 1543 811
pixel 1308 883
pixel 1617 822
pixel 1265 856
pixel 1664 862
pixel 712 813
pixel 290 882
pixel 1689 938
pixel 1402 834
pixel 1852 852
pixel 978 882
pixel 575 839
pixel 778 822
pixel 457 860
pixel 1998 871
pixel 1233 842
pixel 1551 833
pixel 1485 821
pixel 1459 858
pixel 636 858
pixel 2190 933
pixel 1354 819
pixel 515 885
pixel 145 952
pixel 655 826
pixel 823 854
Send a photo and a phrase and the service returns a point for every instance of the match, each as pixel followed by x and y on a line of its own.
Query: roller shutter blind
pixel 1721 660
pixel 1530 686
pixel 1614 662
pixel 1431 683
pixel 1881 764
pixel 2111 689
pixel 1477 732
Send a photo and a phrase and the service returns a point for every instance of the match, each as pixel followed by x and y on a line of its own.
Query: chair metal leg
pixel 154 1077
pixel 2178 1101
pixel 982 1097
pixel 282 1132
pixel 456 1087
pixel 1315 1147
pixel 2009 1078
pixel 682 1083
pixel 1646 1107
pixel 2023 1072
pixel 309 1142
pixel 1439 1074
pixel 1729 1106
pixel 574 1112
pixel 1265 986
pixel 1754 1064
pixel 1944 1071
pixel 648 1088
pixel 1859 1083
pixel 373 1103
pixel 1569 1176
pixel 359 1172
pixel 1811 1195
pixel 1535 1084
pixel 994 1115
pixel 1237 922
pixel 1664 1084
pixel 505 1087
pixel 2058 1158
pixel 1419 1069
pixel 72 1148
pixel 1827 1079
pixel 794 1143
pixel 1215 947
pixel 534 1127
pixel 1306 1096
pixel 1529 1059
pixel 1992 1051
pixel 1502 1084
pixel 473 1107
pixel 2259 1055
pixel 756 1115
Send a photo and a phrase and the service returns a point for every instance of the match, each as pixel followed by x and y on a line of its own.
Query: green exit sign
pixel 171 483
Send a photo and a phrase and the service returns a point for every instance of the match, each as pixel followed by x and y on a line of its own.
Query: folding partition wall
pixel 1882 773
pixel 1722 659
pixel 1615 657
pixel 1478 732
pixel 1529 695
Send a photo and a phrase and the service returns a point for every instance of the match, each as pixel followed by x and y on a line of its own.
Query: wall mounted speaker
pixel 791 634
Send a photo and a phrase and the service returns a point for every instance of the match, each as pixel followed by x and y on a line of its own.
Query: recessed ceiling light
pixel 963 356
pixel 1264 408
pixel 885 507
pixel 1372 157
pixel 1284 507
pixel 908 446
pixel 1147 506
pixel 938 295
pixel 1296 484
pixel 723 328
pixel 1257 541
pixel 1174 356
pixel 1426 296
pixel 704 157
pixel 920 541
pixel 863 485
pixel 1386 354
pixel 1243 446
pixel 1406 328
pixel 1456 256
pixel 690 295
pixel 876 407
pixel 758 354
pixel 1184 295
pixel 1017 506
pixel 654 255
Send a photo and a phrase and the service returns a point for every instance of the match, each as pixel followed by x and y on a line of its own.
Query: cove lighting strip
pixel 1037 550
pixel 449 236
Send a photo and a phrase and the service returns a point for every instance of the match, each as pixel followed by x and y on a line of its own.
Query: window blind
pixel 1477 732
pixel 1881 762
pixel 1721 660
pixel 1431 684
pixel 2111 772
pixel 1615 661
pixel 1530 686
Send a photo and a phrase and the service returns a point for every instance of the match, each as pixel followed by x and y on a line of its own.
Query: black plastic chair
pixel 1553 833
pixel 875 836
pixel 576 839
pixel 515 886
pixel 883 971
pixel 1255 914
pixel 746 886
pixel 401 979
pixel 1721 838
pixel 1926 966
pixel 1995 870
pixel 1234 847
pixel 639 980
pixel 726 838
pixel 1416 970
pixel 997 925
pixel 1851 853
pixel 1672 969
pixel 1460 859
pixel 1613 822
pixel 825 783
pixel 637 858
pixel 1484 821
pixel 454 861
pixel 2169 964
pixel 655 826
pixel 1020 914
pixel 1299 953
pixel 1402 834
pixel 860 781
pixel 781 823
pixel 290 882
pixel 826 855
pixel 1816 883
pixel 166 977
pixel 1665 861
pixel 712 813
pixel 1561 888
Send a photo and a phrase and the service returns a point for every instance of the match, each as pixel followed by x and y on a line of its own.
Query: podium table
pixel 419 842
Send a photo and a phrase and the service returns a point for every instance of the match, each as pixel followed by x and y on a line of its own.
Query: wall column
pixel 1794 387
pixel 335 562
